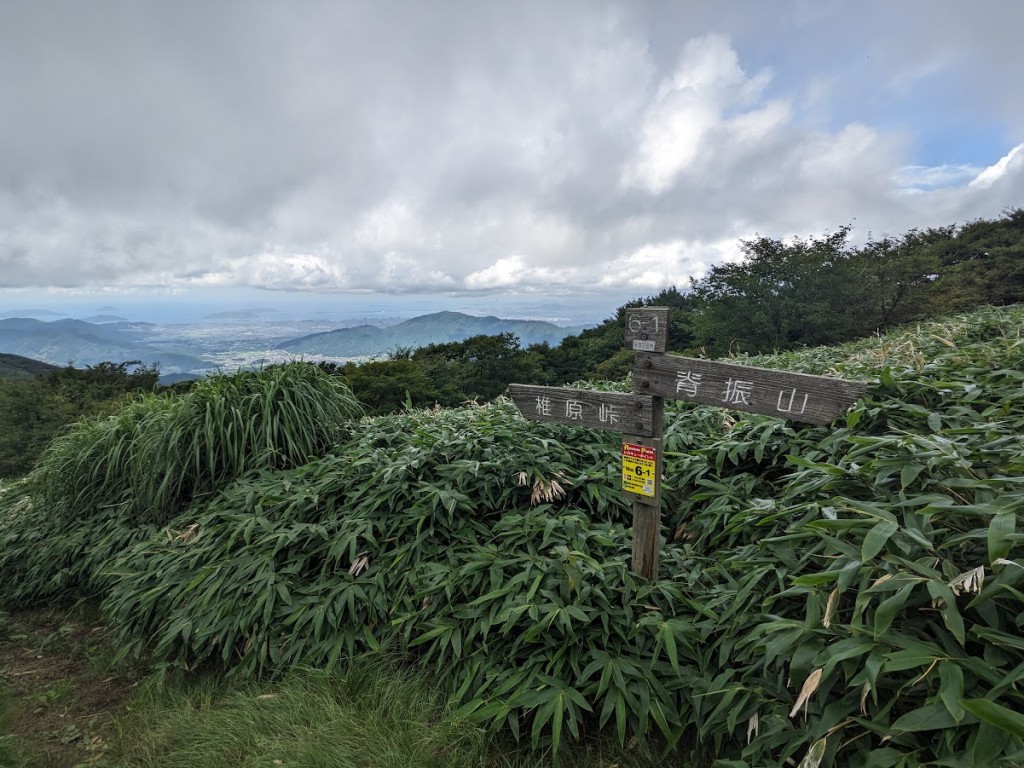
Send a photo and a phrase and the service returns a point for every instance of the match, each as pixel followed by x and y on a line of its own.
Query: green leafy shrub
pixel 867 579
pixel 111 480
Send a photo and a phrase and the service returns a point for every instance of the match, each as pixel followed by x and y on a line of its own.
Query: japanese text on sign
pixel 739 392
pixel 788 395
pixel 639 469
pixel 616 411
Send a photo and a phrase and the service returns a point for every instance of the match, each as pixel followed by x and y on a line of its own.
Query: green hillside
pixel 848 595
pixel 17 367
pixel 81 343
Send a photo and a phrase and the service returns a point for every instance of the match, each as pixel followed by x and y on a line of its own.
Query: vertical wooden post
pixel 647 331
pixel 647 509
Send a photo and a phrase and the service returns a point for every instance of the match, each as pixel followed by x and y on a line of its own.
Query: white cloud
pixel 368 146
pixel 657 265
pixel 689 104
pixel 920 178
pixel 1011 163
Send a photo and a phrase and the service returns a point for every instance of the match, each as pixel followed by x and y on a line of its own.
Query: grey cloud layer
pixel 410 146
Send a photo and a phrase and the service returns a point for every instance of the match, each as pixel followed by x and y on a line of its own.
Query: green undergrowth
pixel 8 749
pixel 374 713
pixel 113 480
pixel 847 595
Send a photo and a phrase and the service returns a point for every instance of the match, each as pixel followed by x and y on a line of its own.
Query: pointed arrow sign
pixel 797 396
pixel 632 414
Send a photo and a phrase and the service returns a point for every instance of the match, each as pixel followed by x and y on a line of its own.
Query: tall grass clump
pixel 110 480
pixel 374 714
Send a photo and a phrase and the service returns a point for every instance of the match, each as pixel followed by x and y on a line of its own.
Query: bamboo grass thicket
pixel 160 453
pixel 850 595
pixel 110 480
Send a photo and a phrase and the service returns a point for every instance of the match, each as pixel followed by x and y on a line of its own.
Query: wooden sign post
pixel 640 416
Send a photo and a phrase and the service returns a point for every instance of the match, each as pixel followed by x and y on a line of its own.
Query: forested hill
pixel 18 367
pixel 807 292
pixel 784 295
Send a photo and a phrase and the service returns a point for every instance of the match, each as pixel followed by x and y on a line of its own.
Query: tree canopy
pixel 33 411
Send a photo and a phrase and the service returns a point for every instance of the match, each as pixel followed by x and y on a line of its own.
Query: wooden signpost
pixel 639 416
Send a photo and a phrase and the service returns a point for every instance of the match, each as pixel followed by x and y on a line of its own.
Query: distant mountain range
pixel 105 319
pixel 244 341
pixel 30 313
pixel 81 344
pixel 436 328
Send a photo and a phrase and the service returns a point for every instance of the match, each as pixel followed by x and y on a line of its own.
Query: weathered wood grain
pixel 615 411
pixel 796 396
pixel 647 329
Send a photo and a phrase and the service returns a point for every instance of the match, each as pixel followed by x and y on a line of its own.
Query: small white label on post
pixel 643 346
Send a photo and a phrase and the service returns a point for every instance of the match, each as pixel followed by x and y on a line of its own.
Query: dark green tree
pixel 383 386
pixel 34 411
pixel 781 295
pixel 479 368
pixel 982 264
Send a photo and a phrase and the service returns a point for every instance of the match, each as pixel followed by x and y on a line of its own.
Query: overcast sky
pixel 489 148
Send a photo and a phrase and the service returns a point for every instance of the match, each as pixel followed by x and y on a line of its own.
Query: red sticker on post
pixel 639 469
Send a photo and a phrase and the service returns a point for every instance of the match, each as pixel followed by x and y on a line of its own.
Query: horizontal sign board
pixel 632 414
pixel 797 396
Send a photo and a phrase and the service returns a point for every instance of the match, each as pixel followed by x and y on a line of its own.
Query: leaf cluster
pixel 869 577
pixel 114 478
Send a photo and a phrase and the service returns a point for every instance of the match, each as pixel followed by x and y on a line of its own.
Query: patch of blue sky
pixel 947 140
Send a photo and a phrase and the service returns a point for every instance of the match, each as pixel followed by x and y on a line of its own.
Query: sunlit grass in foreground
pixel 376 714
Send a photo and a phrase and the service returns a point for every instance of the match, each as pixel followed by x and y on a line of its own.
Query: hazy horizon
pixel 197 307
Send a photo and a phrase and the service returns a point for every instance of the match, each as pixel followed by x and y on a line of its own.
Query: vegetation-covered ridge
pixel 437 327
pixel 17 367
pixel 783 295
pixel 35 408
pixel 841 596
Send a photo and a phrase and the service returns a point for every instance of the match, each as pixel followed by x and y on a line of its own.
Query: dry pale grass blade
pixel 753 724
pixel 544 489
pixel 830 608
pixel 814 755
pixel 810 686
pixel 360 564
pixel 969 583
pixel 185 535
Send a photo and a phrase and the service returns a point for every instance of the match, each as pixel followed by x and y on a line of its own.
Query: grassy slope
pixel 767 518
pixel 62 706
pixel 18 367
